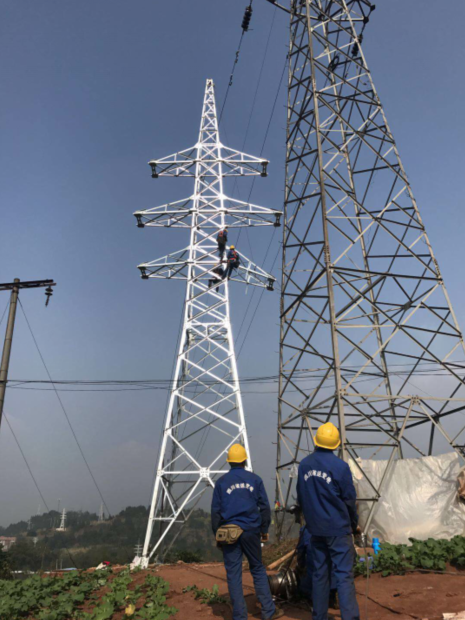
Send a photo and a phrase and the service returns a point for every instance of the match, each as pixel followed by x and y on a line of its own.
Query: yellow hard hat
pixel 327 436
pixel 231 247
pixel 236 454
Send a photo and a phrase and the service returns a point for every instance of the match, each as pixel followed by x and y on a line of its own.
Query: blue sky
pixel 92 91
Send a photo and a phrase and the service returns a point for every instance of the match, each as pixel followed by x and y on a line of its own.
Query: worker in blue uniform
pixel 326 493
pixel 233 261
pixel 240 499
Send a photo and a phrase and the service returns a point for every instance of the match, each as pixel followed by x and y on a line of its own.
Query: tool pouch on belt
pixel 228 534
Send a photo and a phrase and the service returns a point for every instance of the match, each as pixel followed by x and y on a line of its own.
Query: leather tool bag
pixel 228 534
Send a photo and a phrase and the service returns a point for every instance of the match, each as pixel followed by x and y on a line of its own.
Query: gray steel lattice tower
pixel 365 316
pixel 205 401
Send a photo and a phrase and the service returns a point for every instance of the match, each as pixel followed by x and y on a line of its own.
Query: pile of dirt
pixel 274 551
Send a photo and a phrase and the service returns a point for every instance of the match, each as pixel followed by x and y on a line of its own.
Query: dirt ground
pixel 415 595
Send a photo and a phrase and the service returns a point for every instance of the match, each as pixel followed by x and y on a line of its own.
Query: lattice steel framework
pixel 205 400
pixel 365 315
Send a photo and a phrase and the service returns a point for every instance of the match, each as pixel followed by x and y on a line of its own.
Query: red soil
pixel 415 595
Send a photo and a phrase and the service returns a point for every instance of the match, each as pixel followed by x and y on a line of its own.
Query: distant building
pixel 7 542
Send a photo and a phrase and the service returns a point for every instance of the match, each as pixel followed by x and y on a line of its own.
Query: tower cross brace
pixel 205 413
pixel 366 319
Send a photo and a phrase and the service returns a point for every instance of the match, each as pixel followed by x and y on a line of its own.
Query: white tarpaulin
pixel 419 498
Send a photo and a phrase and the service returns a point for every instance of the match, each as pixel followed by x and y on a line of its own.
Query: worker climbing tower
pixel 205 400
pixel 369 339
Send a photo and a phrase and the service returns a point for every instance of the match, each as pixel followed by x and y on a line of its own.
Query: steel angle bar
pixel 206 392
pixel 347 191
pixel 178 164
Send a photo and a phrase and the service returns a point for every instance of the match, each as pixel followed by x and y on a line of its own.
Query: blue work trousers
pixel 230 267
pixel 336 553
pixel 249 545
pixel 305 559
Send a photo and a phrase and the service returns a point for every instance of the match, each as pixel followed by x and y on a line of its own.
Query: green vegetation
pixel 49 598
pixel 90 542
pixel 62 598
pixel 428 554
pixel 188 557
pixel 5 566
pixel 207 596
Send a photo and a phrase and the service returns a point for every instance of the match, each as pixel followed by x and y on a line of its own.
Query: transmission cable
pixel 4 312
pixel 255 311
pixel 245 23
pixel 252 109
pixel 304 374
pixel 34 479
pixel 253 181
pixel 207 431
pixel 245 27
pixel 64 411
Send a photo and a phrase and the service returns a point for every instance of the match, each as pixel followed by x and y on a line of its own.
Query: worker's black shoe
pixel 277 614
pixel 333 600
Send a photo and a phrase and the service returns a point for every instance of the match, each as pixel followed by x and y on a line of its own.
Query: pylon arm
pixel 176 214
pixel 176 267
pixel 184 162
pixel 242 164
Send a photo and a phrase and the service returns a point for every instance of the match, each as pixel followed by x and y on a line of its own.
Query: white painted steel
pixel 205 413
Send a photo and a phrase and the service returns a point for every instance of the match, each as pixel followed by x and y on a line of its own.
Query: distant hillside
pixel 89 541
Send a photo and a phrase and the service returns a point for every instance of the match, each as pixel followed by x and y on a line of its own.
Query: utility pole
pixel 15 287
pixel 205 397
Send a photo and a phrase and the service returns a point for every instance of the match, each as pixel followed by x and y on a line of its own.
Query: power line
pixel 34 479
pixel 236 57
pixel 252 187
pixel 64 411
pixel 230 83
pixel 303 375
pixel 265 54
pixel 26 461
pixel 4 312
pixel 255 311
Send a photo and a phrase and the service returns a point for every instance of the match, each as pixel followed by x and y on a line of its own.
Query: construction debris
pixel 281 560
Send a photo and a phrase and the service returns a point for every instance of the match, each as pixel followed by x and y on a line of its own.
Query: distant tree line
pixel 87 542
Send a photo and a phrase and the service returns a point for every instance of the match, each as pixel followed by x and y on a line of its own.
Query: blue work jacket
pixel 326 493
pixel 233 256
pixel 240 498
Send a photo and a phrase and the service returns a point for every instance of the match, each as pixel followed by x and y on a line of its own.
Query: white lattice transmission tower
pixel 62 526
pixel 205 414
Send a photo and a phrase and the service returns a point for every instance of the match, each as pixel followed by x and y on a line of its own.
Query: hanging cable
pixel 4 312
pixel 231 77
pixel 245 27
pixel 155 384
pixel 64 411
pixel 5 417
pixel 207 431
pixel 255 311
pixel 253 181
pixel 265 54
